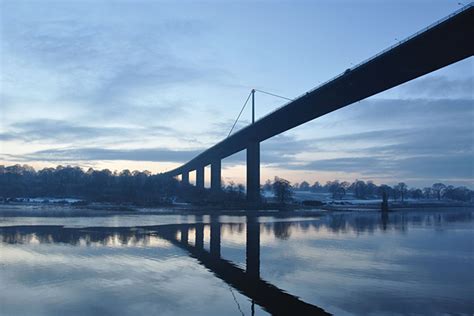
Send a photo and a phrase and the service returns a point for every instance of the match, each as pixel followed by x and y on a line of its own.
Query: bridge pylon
pixel 185 177
pixel 216 176
pixel 253 172
pixel 200 177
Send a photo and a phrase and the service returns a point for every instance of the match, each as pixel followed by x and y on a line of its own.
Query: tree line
pixel 145 188
pixel 93 185
pixel 369 190
pixel 136 187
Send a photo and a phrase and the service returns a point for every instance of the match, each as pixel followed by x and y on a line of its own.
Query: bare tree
pixel 402 189
pixel 438 189
pixel 282 190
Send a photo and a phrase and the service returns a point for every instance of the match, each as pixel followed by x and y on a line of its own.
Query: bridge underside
pixel 448 42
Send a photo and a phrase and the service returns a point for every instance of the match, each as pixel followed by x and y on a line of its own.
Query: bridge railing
pixel 423 30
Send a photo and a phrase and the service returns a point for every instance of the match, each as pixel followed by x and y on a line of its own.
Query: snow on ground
pixel 327 198
pixel 50 200
pixel 349 199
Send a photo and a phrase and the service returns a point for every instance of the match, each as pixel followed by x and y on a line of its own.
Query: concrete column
pixel 216 175
pixel 253 172
pixel 200 177
pixel 185 177
pixel 253 247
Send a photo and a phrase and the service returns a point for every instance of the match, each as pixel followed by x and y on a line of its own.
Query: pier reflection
pixel 247 281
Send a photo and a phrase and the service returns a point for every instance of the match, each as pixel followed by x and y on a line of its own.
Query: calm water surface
pixel 344 264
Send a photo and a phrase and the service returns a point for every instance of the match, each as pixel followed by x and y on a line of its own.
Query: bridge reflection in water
pixel 247 281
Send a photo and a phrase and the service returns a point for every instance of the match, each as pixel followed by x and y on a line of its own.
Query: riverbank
pixel 29 209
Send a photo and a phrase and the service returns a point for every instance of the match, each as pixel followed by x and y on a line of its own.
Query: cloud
pixel 103 68
pixel 60 131
pixel 455 166
pixel 438 167
pixel 381 136
pixel 7 136
pixel 400 142
pixel 447 167
pixel 288 144
pixel 90 154
pixel 349 164
pixel 439 87
pixel 57 130
pixel 408 112
pixel 414 153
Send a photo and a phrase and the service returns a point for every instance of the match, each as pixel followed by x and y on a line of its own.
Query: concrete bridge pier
pixel 253 172
pixel 185 177
pixel 216 175
pixel 200 177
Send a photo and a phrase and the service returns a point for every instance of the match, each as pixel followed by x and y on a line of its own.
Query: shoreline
pixel 22 209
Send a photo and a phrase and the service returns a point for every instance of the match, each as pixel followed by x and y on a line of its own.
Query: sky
pixel 147 85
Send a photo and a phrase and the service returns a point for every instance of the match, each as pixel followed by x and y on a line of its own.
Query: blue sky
pixel 150 84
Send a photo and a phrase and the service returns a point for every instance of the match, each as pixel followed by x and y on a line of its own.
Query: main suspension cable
pixel 275 95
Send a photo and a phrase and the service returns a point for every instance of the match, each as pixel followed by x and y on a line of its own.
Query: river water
pixel 359 263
